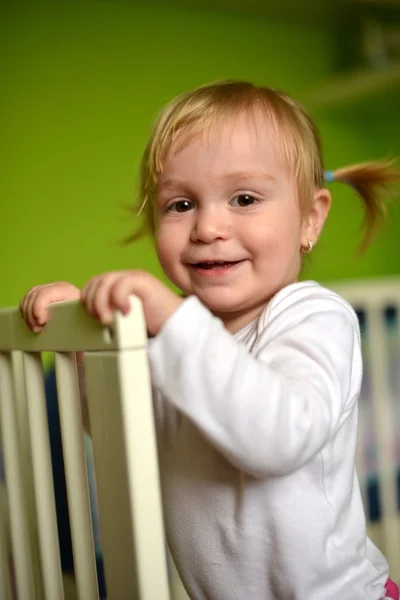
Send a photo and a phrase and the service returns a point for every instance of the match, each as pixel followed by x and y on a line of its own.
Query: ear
pixel 314 221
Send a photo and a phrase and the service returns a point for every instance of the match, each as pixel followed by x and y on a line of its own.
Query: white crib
pixel 124 448
pixel 120 412
pixel 373 297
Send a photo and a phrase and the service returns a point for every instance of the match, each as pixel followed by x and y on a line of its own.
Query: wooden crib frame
pixel 124 448
pixel 373 296
pixel 122 429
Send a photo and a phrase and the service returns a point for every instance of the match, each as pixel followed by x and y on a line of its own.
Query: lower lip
pixel 216 271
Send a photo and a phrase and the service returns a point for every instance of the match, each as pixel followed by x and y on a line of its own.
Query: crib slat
pixel 26 466
pixel 127 476
pixel 44 489
pixel 76 476
pixel 386 433
pixel 13 472
pixel 5 576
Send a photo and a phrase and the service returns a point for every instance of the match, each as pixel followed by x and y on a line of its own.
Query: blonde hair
pixel 294 133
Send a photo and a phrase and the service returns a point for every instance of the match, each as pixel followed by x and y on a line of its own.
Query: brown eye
pixel 243 200
pixel 181 206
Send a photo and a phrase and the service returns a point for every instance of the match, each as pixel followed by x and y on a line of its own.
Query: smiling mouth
pixel 212 265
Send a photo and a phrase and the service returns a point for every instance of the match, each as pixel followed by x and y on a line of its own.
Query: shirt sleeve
pixel 271 412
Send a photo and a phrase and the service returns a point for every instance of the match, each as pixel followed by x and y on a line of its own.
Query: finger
pixel 84 290
pixel 36 304
pixel 23 309
pixel 22 306
pixel 102 303
pixel 90 292
pixel 30 309
pixel 122 289
pixel 25 301
pixel 39 305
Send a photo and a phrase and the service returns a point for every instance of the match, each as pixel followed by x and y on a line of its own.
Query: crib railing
pixel 372 298
pixel 124 448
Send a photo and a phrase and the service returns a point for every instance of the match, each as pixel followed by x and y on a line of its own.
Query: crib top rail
pixel 70 328
pixel 374 292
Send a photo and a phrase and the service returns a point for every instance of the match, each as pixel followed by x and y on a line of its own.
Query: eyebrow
pixel 248 175
pixel 173 183
pixel 242 175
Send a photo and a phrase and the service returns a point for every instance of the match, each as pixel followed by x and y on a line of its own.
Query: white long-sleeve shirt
pixel 257 434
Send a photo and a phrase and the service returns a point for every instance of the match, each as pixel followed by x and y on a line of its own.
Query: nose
pixel 210 224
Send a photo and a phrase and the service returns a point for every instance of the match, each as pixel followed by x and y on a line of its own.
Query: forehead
pixel 238 141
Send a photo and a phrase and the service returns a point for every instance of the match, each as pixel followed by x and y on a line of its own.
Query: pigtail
pixel 373 182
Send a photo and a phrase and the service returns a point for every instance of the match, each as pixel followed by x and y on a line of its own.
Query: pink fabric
pixel 392 591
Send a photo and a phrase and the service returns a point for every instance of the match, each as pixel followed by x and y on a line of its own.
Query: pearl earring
pixel 308 249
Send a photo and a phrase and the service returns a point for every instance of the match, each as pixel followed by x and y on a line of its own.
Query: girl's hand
pixel 34 305
pixel 104 294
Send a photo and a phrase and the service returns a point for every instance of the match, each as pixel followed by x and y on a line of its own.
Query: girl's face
pixel 229 228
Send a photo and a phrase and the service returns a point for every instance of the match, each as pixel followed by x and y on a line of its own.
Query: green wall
pixel 80 84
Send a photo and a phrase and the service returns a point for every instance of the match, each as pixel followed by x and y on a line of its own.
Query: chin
pixel 217 303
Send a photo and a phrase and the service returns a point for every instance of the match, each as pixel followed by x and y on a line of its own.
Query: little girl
pixel 256 376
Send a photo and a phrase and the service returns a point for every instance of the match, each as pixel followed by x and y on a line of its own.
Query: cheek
pixel 277 237
pixel 168 248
